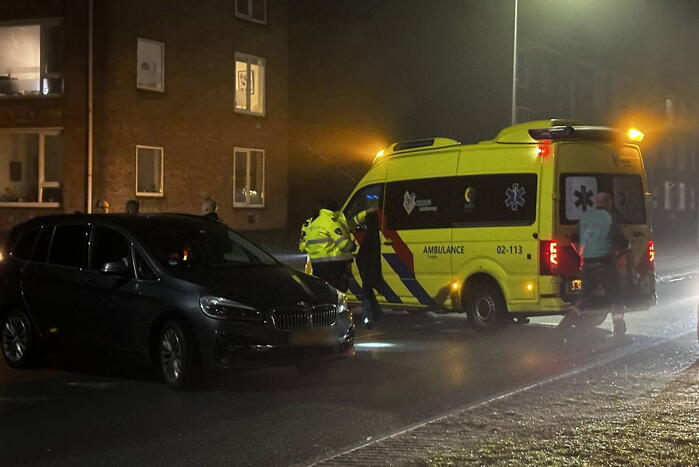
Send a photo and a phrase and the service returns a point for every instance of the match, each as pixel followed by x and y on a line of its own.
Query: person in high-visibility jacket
pixel 329 245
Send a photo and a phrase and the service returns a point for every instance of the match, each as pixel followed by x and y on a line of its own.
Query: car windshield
pixel 200 245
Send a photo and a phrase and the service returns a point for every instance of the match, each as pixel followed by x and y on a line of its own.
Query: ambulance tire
pixel 485 307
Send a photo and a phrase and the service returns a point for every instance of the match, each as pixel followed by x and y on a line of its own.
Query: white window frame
pixel 41 183
pixel 43 74
pixel 147 194
pixel 249 17
pixel 247 204
pixel 260 61
pixel 162 65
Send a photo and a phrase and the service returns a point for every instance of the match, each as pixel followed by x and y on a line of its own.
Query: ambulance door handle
pixel 388 243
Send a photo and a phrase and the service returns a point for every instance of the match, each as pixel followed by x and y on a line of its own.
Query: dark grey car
pixel 184 293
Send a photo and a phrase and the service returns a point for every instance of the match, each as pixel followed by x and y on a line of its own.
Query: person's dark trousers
pixel 370 306
pixel 332 272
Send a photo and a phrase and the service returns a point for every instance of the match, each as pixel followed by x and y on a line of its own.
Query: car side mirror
pixel 116 268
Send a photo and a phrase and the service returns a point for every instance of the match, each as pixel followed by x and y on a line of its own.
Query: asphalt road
pixel 85 411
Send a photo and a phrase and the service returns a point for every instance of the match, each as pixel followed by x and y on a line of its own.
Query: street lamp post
pixel 514 67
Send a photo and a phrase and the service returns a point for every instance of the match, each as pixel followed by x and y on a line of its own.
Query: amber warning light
pixel 635 134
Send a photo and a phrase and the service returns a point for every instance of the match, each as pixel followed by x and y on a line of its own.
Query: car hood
pixel 265 287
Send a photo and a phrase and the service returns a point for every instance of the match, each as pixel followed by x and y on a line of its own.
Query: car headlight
pixel 222 308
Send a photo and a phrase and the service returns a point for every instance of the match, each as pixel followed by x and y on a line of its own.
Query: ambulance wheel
pixel 485 307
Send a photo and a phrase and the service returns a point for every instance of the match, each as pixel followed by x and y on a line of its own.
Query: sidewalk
pixel 640 409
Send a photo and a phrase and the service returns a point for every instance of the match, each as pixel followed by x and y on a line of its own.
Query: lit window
pixel 31 167
pixel 149 171
pixel 249 178
pixel 252 10
pixel 150 65
pixel 249 84
pixel 31 60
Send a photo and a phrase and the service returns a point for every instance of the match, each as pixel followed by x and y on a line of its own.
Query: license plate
pixel 576 284
pixel 311 337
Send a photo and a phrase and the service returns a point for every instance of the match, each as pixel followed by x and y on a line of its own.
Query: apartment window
pixel 31 168
pixel 681 196
pixel 149 171
pixel 31 58
pixel 669 192
pixel 150 65
pixel 251 10
pixel 249 84
pixel 249 178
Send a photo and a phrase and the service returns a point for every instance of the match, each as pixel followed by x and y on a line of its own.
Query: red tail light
pixel 545 148
pixel 548 259
pixel 651 251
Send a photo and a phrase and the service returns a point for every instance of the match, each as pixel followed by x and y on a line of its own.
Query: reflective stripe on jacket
pixel 327 238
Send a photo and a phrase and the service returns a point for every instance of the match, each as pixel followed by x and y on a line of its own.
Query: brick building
pixel 187 102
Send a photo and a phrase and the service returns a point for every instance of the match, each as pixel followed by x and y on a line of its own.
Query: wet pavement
pixel 412 368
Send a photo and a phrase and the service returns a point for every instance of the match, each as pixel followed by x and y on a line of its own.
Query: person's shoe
pixel 367 323
pixel 619 328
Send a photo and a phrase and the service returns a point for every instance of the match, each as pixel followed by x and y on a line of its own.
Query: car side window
pixel 109 246
pixel 41 250
pixel 24 246
pixel 143 270
pixel 69 246
pixel 365 198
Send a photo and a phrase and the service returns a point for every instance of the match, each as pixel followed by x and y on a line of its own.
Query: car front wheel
pixel 19 340
pixel 180 365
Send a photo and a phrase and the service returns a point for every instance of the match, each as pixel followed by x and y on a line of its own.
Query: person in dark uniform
pixel 208 208
pixel 369 266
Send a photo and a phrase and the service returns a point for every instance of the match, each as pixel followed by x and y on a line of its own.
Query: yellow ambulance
pixel 486 228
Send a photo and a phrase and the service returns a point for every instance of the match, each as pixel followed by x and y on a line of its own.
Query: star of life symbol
pixel 409 202
pixel 514 197
pixel 583 198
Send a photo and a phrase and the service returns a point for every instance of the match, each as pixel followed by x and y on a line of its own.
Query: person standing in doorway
pixel 600 241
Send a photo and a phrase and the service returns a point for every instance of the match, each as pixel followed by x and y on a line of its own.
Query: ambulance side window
pixel 497 199
pixel 419 204
pixel 365 198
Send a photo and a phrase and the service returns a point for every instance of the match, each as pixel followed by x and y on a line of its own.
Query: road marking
pixel 505 395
